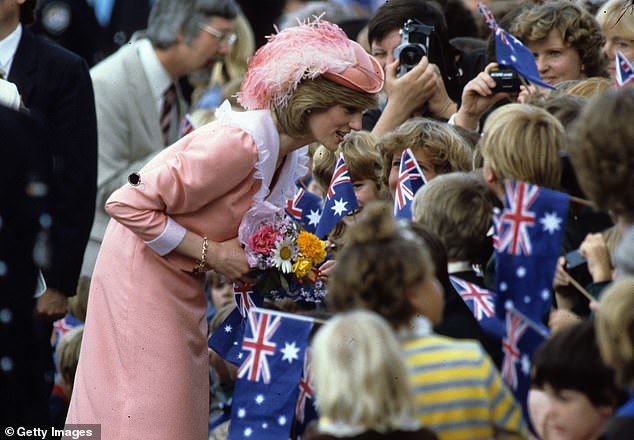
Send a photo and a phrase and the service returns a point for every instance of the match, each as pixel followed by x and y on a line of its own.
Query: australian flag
pixel 305 408
pixel 186 126
pixel 227 339
pixel 624 71
pixel 510 52
pixel 266 388
pixel 340 199
pixel 305 208
pixel 529 236
pixel 522 337
pixel 410 180
pixel 481 302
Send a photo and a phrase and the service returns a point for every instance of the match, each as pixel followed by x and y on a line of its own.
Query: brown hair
pixel 457 207
pixel 381 261
pixel 444 147
pixel 602 151
pixel 577 28
pixel 317 95
pixel 362 157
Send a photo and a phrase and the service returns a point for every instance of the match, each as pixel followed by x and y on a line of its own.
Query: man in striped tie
pixel 139 102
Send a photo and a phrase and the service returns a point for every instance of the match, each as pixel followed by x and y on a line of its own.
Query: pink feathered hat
pixel 305 52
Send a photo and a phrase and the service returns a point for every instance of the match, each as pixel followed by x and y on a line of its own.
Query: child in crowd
pixel 457 207
pixel 66 358
pixel 574 393
pixel 386 268
pixel 520 142
pixel 615 333
pixel 365 168
pixel 361 382
pixel 438 149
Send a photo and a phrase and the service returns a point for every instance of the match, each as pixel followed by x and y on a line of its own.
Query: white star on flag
pixel 313 217
pixel 228 328
pixel 290 352
pixel 551 222
pixel 281 420
pixel 340 207
pixel 259 399
pixel 242 413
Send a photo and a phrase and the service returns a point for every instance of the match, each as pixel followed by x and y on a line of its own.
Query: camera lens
pixel 411 55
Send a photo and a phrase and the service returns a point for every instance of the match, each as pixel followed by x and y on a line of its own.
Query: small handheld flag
pixel 340 199
pixel 305 208
pixel 624 71
pixel 511 52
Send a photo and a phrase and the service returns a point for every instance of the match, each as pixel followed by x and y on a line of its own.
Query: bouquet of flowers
pixel 285 258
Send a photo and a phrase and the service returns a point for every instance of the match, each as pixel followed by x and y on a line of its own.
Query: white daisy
pixel 284 254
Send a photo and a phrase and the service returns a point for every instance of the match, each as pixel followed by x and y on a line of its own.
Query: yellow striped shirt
pixel 459 393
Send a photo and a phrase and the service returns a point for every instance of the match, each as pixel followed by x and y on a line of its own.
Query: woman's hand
pixel 477 98
pixel 595 251
pixel 228 258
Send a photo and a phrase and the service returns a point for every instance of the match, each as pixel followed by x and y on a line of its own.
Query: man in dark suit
pixel 24 173
pixel 55 86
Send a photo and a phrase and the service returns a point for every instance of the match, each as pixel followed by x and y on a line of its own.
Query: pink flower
pixel 263 240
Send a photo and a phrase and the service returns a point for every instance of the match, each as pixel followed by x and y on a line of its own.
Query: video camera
pixel 414 45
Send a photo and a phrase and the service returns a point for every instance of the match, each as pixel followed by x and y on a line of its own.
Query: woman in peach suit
pixel 143 369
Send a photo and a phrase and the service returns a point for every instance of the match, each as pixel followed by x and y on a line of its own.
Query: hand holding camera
pixel 481 93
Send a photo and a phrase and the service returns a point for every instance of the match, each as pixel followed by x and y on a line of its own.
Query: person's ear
pixel 489 176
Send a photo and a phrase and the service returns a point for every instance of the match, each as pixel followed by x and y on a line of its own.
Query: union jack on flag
pixel 515 328
pixel 340 199
pixel 410 180
pixel 530 233
pixel 488 16
pixel 244 298
pixel 517 218
pixel 305 208
pixel 479 300
pixel 340 176
pixel 265 409
pixel 624 71
pixel 305 388
pixel 259 346
pixel 523 336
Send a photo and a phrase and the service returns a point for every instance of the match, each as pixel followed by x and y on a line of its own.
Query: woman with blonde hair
pixel 361 382
pixel 143 372
pixel 616 18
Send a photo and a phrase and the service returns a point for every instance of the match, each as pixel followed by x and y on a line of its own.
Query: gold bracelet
pixel 201 265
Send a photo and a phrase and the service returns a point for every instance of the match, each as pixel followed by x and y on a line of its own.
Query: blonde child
pixel 361 382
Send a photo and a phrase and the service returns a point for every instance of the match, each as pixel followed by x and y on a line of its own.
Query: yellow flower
pixel 302 267
pixel 311 247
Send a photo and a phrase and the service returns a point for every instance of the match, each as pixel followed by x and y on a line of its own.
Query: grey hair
pixel 328 10
pixel 169 17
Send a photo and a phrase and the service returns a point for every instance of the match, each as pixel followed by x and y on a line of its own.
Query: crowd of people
pixel 138 149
